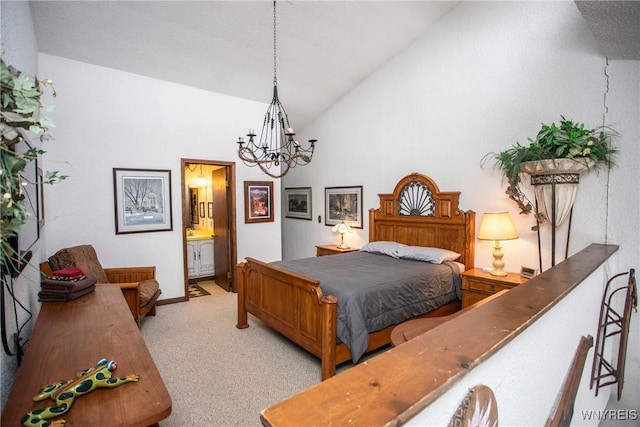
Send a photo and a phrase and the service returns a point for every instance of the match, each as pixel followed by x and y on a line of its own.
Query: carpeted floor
pixel 216 374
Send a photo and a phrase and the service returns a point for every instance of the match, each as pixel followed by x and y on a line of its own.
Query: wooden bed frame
pixel 294 304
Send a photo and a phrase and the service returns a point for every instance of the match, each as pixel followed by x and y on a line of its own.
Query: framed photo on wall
pixel 298 202
pixel 343 204
pixel 142 200
pixel 210 209
pixel 258 201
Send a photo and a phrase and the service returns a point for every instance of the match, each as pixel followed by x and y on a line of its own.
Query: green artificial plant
pixel 566 140
pixel 22 116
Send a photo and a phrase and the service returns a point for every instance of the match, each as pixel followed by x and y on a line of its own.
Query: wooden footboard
pixel 293 305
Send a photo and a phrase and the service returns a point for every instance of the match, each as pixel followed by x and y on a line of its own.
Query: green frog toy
pixel 65 392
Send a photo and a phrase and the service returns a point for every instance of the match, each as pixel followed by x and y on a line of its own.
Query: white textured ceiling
pixel 616 26
pixel 324 48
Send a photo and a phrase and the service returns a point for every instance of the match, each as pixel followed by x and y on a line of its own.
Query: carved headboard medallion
pixel 418 213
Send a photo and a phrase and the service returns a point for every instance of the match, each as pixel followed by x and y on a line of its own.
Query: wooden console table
pixel 72 336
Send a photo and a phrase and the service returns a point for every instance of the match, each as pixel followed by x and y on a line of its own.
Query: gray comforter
pixel 375 291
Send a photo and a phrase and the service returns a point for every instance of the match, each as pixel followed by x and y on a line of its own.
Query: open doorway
pixel 209 222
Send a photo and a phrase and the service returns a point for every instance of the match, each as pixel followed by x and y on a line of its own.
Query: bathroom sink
pixel 199 235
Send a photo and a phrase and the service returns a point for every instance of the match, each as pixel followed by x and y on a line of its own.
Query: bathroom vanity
pixel 200 253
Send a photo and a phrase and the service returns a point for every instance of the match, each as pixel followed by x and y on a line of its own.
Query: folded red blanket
pixel 68 272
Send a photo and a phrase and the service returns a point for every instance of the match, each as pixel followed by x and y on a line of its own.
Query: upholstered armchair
pixel 138 284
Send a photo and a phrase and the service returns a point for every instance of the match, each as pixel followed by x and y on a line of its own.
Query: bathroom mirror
pixel 193 206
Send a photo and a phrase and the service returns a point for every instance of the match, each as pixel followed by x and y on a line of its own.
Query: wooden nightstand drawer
pixel 478 285
pixel 470 298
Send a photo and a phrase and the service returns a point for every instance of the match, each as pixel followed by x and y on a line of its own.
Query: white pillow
pixel 433 255
pixel 392 249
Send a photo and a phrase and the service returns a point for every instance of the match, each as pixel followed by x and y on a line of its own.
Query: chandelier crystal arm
pixel 277 147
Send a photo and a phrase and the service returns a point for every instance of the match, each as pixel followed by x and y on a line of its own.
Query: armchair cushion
pixel 148 290
pixel 83 257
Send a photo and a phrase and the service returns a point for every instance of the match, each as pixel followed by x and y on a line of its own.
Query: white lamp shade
pixel 497 226
pixel 341 228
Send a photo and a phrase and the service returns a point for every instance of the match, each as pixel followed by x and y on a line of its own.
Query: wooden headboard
pixel 417 213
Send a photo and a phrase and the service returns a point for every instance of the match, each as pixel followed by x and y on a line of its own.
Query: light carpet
pixel 218 375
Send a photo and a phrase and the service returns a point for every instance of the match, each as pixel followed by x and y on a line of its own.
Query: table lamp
pixel 342 228
pixel 497 226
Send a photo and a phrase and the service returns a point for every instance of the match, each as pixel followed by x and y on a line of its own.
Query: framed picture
pixel 258 201
pixel 343 204
pixel 210 209
pixel 142 200
pixel 201 209
pixel 298 201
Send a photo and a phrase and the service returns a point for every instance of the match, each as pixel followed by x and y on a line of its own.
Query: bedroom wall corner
pixel 20 50
pixel 461 91
pixel 623 227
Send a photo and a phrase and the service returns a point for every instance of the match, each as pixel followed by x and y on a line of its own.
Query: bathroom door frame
pixel 186 217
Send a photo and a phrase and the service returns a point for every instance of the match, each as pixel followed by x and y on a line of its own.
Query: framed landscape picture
pixel 298 202
pixel 258 201
pixel 343 204
pixel 142 200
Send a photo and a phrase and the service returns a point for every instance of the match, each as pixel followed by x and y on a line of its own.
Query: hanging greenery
pixel 566 140
pixel 23 116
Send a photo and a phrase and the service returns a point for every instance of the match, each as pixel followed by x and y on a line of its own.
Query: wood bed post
pixel 329 331
pixel 241 288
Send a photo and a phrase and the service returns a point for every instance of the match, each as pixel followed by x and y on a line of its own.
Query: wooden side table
pixel 477 285
pixel 322 250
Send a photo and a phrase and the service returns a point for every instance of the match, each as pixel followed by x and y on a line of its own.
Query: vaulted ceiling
pixel 324 48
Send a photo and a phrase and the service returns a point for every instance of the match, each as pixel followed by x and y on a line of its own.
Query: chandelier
pixel 277 147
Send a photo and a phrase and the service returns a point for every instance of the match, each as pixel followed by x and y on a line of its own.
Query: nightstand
pixel 322 250
pixel 477 285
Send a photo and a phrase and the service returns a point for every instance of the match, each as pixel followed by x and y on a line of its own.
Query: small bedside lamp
pixel 342 228
pixel 497 226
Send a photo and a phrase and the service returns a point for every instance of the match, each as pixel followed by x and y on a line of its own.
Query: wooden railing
pixel 395 386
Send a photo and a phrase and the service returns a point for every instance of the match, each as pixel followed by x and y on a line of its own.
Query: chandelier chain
pixel 275 78
pixel 276 146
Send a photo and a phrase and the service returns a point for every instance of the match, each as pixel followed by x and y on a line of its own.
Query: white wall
pixel 623 227
pixel 107 118
pixel 484 78
pixel 19 49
